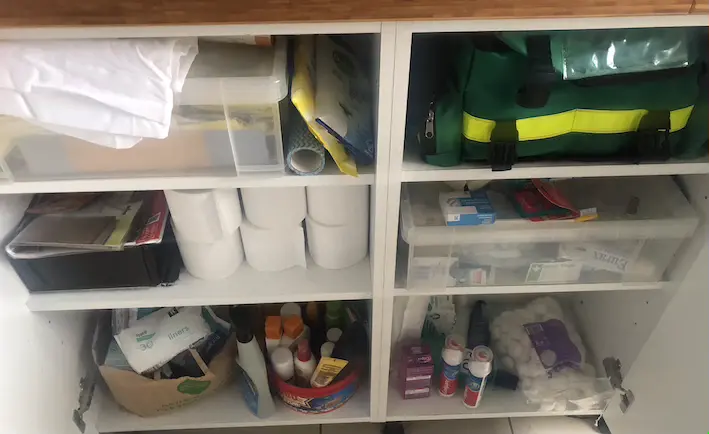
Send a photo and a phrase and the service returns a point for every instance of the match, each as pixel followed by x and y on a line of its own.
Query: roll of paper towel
pixel 211 260
pixel 274 208
pixel 204 215
pixel 334 206
pixel 336 247
pixel 273 249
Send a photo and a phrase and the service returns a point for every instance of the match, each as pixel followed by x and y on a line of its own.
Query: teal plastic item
pixel 594 53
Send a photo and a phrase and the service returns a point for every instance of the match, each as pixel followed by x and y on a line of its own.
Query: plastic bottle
pixel 304 365
pixel 326 349
pixel 334 335
pixel 480 367
pixel 290 309
pixel 316 322
pixel 452 356
pixel 478 334
pixel 292 329
pixel 353 345
pixel 254 375
pixel 282 362
pixel 274 333
pixel 479 326
pixel 333 314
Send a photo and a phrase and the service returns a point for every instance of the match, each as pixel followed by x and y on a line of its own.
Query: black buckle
pixel 653 145
pixel 502 155
pixel 652 140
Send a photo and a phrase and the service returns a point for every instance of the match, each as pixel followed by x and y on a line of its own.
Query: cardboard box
pixel 147 397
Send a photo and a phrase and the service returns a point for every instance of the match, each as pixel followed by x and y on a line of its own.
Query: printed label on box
pixel 554 272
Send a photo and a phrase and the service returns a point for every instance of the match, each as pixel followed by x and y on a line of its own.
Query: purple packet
pixel 415 371
pixel 555 349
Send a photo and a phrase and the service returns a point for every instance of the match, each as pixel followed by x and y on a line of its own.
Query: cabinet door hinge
pixel 87 385
pixel 612 367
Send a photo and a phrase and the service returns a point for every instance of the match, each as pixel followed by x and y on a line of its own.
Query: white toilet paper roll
pixel 335 247
pixel 273 208
pixel 273 249
pixel 211 260
pixel 204 215
pixel 334 206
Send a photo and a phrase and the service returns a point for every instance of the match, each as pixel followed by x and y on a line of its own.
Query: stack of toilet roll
pixel 206 225
pixel 338 225
pixel 273 230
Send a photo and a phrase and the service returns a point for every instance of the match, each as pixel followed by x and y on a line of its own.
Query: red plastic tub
pixel 317 400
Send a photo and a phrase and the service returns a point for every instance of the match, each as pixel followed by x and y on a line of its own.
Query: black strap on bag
pixel 652 141
pixel 502 150
pixel 541 75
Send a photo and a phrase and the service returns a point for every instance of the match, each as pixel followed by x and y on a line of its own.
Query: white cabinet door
pixel 41 359
pixel 670 377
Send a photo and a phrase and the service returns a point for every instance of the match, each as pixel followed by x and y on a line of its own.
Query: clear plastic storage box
pixel 226 121
pixel 642 222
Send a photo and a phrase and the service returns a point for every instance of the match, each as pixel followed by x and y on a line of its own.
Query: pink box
pixel 415 371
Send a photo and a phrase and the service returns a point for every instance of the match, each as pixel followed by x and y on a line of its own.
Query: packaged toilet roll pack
pixel 206 225
pixel 273 231
pixel 214 238
pixel 338 225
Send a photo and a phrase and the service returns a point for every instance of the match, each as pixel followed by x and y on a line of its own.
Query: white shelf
pixel 496 403
pixel 330 176
pixel 415 170
pixel 532 289
pixel 246 286
pixel 226 409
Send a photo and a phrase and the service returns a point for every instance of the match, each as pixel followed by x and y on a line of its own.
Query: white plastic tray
pixel 662 212
pixel 230 74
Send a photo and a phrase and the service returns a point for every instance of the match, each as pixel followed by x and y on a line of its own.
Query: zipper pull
pixel 429 131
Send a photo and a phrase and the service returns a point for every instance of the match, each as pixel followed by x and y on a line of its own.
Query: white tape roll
pixel 334 206
pixel 273 249
pixel 336 247
pixel 274 208
pixel 204 215
pixel 212 260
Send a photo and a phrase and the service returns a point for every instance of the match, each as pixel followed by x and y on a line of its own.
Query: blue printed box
pixel 467 208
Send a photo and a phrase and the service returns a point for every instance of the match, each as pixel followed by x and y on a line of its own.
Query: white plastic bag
pixel 552 388
pixel 154 340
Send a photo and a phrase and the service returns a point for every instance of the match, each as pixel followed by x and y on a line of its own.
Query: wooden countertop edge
pixel 700 7
pixel 105 13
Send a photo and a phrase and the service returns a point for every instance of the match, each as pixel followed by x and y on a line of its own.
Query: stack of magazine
pixel 74 223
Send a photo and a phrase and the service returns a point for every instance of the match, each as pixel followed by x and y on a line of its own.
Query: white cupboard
pixel 659 331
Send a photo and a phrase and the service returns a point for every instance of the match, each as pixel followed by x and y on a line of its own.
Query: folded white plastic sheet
pixel 111 92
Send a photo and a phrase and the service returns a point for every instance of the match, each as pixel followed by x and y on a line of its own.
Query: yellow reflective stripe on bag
pixel 574 121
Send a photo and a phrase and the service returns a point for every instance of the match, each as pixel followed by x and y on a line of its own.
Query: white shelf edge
pixel 84 32
pixel 415 170
pixel 226 409
pixel 533 289
pixel 554 23
pixel 480 415
pixel 246 286
pixel 496 403
pixel 330 176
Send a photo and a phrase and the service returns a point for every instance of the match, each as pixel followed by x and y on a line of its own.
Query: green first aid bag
pixel 502 104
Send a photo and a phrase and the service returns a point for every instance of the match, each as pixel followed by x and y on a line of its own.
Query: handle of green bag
pixel 541 74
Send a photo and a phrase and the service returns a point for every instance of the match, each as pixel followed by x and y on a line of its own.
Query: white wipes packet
pixel 155 339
